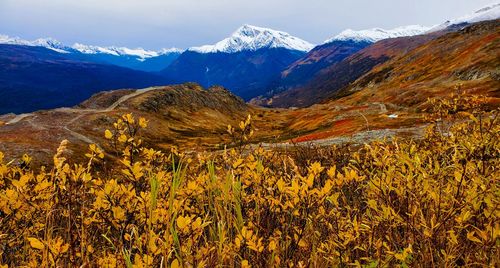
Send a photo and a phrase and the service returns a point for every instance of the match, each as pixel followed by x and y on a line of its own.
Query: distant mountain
pixel 466 59
pixel 246 62
pixel 377 34
pixel 306 68
pixel 35 77
pixel 322 79
pixel 334 50
pixel 252 38
pixel 491 12
pixel 138 59
pixel 340 74
pixel 48 43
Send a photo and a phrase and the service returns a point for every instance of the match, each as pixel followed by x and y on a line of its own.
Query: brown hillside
pixel 468 59
pixel 341 74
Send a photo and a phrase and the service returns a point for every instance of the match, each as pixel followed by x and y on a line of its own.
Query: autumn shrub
pixel 427 203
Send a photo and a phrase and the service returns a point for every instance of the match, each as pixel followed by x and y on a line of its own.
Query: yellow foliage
pixel 432 202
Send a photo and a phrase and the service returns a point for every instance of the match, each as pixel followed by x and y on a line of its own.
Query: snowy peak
pixel 57 46
pixel 377 34
pixel 51 44
pixel 140 53
pixel 121 51
pixel 5 39
pixel 166 51
pixel 41 42
pixel 251 38
pixel 491 12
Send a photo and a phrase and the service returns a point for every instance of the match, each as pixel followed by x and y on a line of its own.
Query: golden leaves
pixel 183 222
pixel 35 243
pixel 22 181
pixel 258 207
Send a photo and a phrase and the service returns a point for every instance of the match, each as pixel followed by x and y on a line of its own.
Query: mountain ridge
pixel 252 38
pixel 376 34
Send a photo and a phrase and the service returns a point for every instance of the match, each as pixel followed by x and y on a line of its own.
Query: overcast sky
pixel 155 24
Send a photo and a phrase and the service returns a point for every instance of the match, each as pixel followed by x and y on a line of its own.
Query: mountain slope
pixel 245 62
pixel 339 74
pixel 334 50
pixel 178 115
pixel 137 59
pixel 467 59
pixel 304 69
pixel 33 78
pixel 246 73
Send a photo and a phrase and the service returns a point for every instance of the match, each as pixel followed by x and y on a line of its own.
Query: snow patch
pixel 140 53
pixel 491 12
pixel 377 34
pixel 41 42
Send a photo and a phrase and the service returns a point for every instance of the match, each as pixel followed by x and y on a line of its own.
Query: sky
pixel 155 24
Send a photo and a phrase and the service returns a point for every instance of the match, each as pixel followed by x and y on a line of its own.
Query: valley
pixel 375 148
pixel 182 116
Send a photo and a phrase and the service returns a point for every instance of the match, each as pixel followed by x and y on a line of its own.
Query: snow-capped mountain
pixel 57 46
pixel 252 38
pixel 141 53
pixel 491 12
pixel 5 39
pixel 49 43
pixel 377 34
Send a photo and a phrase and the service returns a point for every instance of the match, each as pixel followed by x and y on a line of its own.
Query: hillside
pixel 34 78
pixel 337 75
pixel 468 59
pixel 316 62
pixel 306 68
pixel 185 115
pixel 246 73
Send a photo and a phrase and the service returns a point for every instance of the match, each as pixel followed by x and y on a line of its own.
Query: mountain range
pixel 268 67
pixel 387 98
pixel 138 58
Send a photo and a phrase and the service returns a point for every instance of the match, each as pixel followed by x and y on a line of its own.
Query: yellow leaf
pixel 118 213
pixel 471 237
pixel 175 264
pixel 245 264
pixel 108 134
pixel 122 138
pixel 143 122
pixel 272 245
pixel 237 163
pixel 35 243
pixel 332 172
pixel 183 222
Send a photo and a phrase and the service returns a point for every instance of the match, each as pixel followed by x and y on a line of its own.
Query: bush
pixel 432 202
